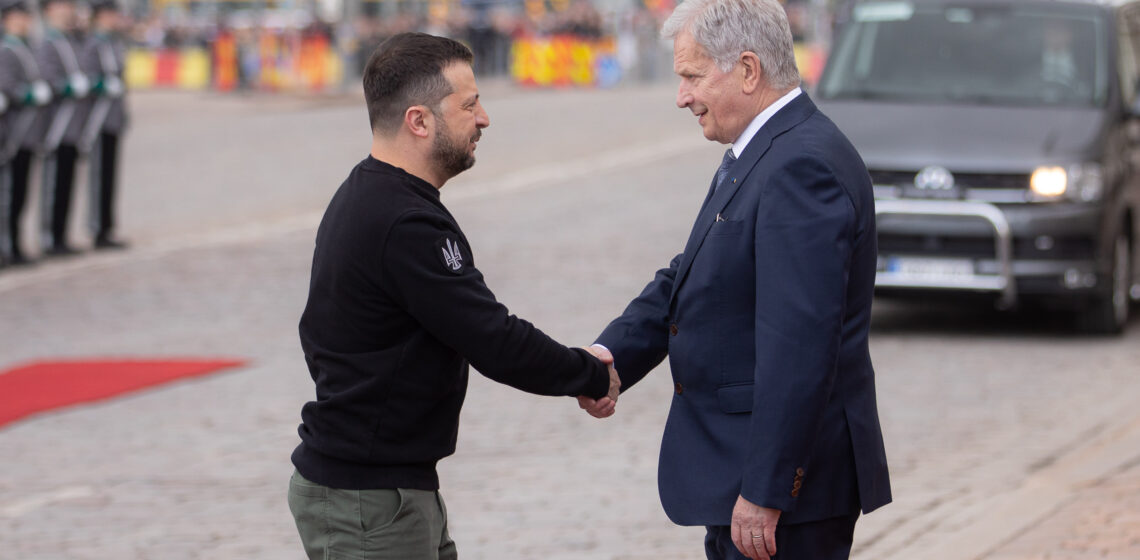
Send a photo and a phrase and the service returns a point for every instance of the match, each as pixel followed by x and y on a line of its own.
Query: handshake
pixel 607 405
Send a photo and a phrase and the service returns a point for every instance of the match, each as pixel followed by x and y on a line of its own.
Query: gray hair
pixel 727 28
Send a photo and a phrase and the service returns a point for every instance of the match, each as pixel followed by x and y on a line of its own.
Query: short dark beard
pixel 448 157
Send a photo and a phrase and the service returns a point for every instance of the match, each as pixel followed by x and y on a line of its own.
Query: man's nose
pixel 481 118
pixel 684 98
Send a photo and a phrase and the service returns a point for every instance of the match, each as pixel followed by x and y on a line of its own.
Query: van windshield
pixel 999 54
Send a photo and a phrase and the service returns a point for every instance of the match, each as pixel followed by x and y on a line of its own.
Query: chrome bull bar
pixel 1002 282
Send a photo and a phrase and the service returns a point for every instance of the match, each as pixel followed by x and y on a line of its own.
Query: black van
pixel 1003 140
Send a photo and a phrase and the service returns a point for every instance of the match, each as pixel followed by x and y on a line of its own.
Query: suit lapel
pixel 785 119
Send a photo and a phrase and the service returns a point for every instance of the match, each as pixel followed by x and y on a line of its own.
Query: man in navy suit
pixel 773 440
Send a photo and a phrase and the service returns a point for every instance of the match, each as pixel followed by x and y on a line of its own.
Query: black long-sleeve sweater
pixel 395 313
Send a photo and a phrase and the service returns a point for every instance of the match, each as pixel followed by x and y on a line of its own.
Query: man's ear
pixel 753 72
pixel 418 120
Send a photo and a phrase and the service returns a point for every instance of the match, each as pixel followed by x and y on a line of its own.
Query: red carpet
pixel 42 386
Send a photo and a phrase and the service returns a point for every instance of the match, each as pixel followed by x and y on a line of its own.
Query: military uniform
pixel 58 57
pixel 102 59
pixel 5 179
pixel 26 93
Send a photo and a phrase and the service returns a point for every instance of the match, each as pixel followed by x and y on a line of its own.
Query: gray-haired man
pixel 773 440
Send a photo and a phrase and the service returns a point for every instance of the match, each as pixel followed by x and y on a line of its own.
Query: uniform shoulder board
pixel 452 254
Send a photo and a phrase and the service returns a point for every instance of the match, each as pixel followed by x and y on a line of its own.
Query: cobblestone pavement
pixel 1100 521
pixel 1009 437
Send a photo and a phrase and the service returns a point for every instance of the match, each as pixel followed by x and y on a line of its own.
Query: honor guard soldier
pixel 27 93
pixel 102 59
pixel 5 184
pixel 58 56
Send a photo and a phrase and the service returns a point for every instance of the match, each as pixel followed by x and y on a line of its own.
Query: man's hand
pixel 754 529
pixel 607 405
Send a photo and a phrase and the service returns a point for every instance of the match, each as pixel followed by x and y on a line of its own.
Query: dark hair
pixel 99 6
pixel 8 7
pixel 45 3
pixel 407 70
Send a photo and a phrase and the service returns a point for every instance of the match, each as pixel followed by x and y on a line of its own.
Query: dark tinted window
pixel 1007 54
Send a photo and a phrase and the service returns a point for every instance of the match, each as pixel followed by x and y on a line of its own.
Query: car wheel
pixel 1108 314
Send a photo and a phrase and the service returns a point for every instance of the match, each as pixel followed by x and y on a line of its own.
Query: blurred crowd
pixel 491 29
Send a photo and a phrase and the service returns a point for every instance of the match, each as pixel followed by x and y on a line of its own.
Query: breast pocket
pixel 726 228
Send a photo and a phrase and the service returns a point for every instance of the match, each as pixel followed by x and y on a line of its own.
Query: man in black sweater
pixel 396 312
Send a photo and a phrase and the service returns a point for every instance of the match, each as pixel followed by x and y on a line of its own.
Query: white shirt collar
pixel 760 120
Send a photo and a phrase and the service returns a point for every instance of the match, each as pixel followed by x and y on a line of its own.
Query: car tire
pixel 1108 313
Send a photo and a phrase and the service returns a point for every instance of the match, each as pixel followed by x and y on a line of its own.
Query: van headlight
pixel 1081 182
pixel 1049 183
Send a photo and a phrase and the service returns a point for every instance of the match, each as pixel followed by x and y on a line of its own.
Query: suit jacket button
pixel 800 471
pixel 673 329
pixel 797 484
pixel 795 492
pixel 679 388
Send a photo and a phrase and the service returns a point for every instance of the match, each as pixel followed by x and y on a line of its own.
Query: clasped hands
pixel 753 527
pixel 607 405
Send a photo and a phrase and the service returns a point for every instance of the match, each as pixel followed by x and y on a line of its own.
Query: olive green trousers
pixel 395 524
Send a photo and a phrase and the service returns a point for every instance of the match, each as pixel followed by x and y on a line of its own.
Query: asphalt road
pixel 996 424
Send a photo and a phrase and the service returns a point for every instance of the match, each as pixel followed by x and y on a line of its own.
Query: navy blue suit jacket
pixel 765 318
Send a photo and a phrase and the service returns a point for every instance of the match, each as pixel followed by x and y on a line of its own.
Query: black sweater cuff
pixel 598 385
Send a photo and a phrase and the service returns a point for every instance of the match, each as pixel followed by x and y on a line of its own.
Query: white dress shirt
pixel 758 122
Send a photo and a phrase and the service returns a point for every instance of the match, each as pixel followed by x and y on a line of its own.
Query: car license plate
pixel 952 193
pixel 932 269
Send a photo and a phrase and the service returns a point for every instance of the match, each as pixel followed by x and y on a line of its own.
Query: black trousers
pixel 58 179
pixel 14 193
pixel 829 539
pixel 103 168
